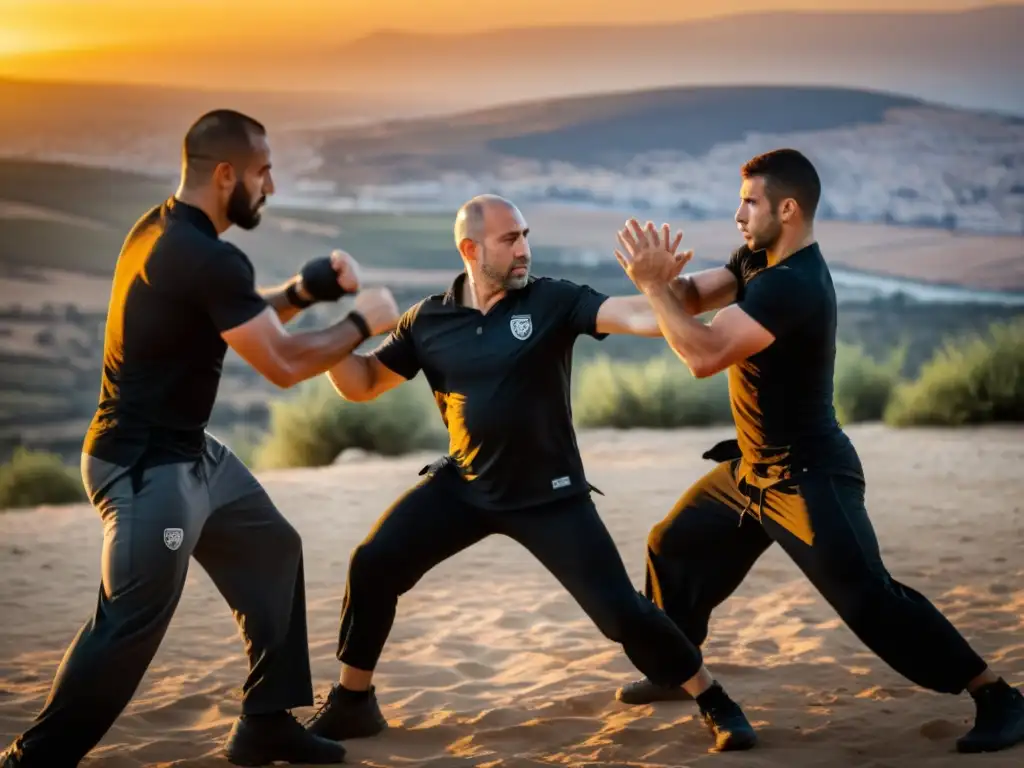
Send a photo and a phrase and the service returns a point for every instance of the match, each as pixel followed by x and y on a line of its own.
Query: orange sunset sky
pixel 44 26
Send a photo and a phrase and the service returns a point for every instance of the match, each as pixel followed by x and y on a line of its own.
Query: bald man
pixel 496 349
pixel 165 489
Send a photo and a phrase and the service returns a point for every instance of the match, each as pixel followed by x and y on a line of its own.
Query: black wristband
pixel 292 294
pixel 360 322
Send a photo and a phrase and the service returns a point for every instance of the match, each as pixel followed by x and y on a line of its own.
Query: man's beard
pixel 768 237
pixel 506 280
pixel 241 211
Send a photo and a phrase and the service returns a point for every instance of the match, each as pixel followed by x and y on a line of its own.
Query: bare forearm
pixel 686 294
pixel 688 337
pixel 277 298
pixel 311 353
pixel 352 377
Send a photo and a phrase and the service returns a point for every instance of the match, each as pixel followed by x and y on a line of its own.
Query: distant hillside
pixel 605 130
pixel 959 58
pixel 141 126
pixel 883 157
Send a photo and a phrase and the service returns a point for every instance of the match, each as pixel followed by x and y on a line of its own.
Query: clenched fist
pixel 379 308
pixel 328 278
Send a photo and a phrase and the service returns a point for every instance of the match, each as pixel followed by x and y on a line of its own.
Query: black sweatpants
pixel 698 555
pixel 155 518
pixel 430 523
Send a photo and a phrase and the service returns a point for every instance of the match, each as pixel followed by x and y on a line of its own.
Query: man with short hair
pixel 496 349
pixel 792 476
pixel 165 489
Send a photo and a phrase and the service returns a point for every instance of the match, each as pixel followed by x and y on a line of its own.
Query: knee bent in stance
pixel 374 569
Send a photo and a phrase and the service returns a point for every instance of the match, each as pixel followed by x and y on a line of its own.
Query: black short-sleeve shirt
pixel 782 397
pixel 177 286
pixel 502 384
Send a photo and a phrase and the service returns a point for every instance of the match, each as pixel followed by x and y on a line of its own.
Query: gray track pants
pixel 155 519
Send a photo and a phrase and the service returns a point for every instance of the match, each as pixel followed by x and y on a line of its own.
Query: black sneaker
pixel 999 723
pixel 643 691
pixel 347 715
pixel 726 721
pixel 278 737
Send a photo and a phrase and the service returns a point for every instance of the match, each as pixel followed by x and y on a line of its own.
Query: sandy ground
pixel 491 663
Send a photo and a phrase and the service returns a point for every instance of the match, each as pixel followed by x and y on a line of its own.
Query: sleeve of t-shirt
pixel 778 299
pixel 584 303
pixel 398 350
pixel 735 265
pixel 227 284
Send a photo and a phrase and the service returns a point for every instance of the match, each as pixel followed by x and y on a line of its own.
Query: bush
pixel 659 393
pixel 973 379
pixel 313 427
pixel 863 385
pixel 32 478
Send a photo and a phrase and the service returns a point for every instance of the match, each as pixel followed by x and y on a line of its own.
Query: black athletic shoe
pixel 348 714
pixel 278 737
pixel 643 691
pixel 726 721
pixel 999 723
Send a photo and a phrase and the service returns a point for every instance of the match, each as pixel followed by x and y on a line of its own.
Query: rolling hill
pixel 883 157
pixel 604 130
pixel 959 58
pixel 141 126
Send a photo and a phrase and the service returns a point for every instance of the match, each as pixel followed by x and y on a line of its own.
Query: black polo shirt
pixel 176 287
pixel 502 383
pixel 782 397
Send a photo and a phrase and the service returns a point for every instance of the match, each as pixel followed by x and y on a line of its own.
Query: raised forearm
pixel 686 294
pixel 304 355
pixel 277 298
pixel 690 339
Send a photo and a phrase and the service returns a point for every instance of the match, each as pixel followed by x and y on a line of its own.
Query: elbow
pixel 348 393
pixel 705 367
pixel 282 377
pixel 702 370
pixel 699 367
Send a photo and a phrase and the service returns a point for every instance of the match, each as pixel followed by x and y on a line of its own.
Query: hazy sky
pixel 42 25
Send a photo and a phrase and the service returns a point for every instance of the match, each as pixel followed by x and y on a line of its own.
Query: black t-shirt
pixel 502 384
pixel 782 397
pixel 176 287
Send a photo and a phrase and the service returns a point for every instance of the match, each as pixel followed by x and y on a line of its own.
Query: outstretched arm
pixel 627 315
pixel 362 377
pixel 691 295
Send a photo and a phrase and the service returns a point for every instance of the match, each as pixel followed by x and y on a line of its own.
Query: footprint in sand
pixel 474 670
pixel 940 730
pixel 764 646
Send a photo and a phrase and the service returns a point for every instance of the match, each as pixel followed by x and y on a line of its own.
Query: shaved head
pixel 220 136
pixel 490 233
pixel 469 221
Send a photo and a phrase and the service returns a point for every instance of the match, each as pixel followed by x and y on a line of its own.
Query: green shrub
pixel 863 385
pixel 32 478
pixel 314 426
pixel 659 393
pixel 972 379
